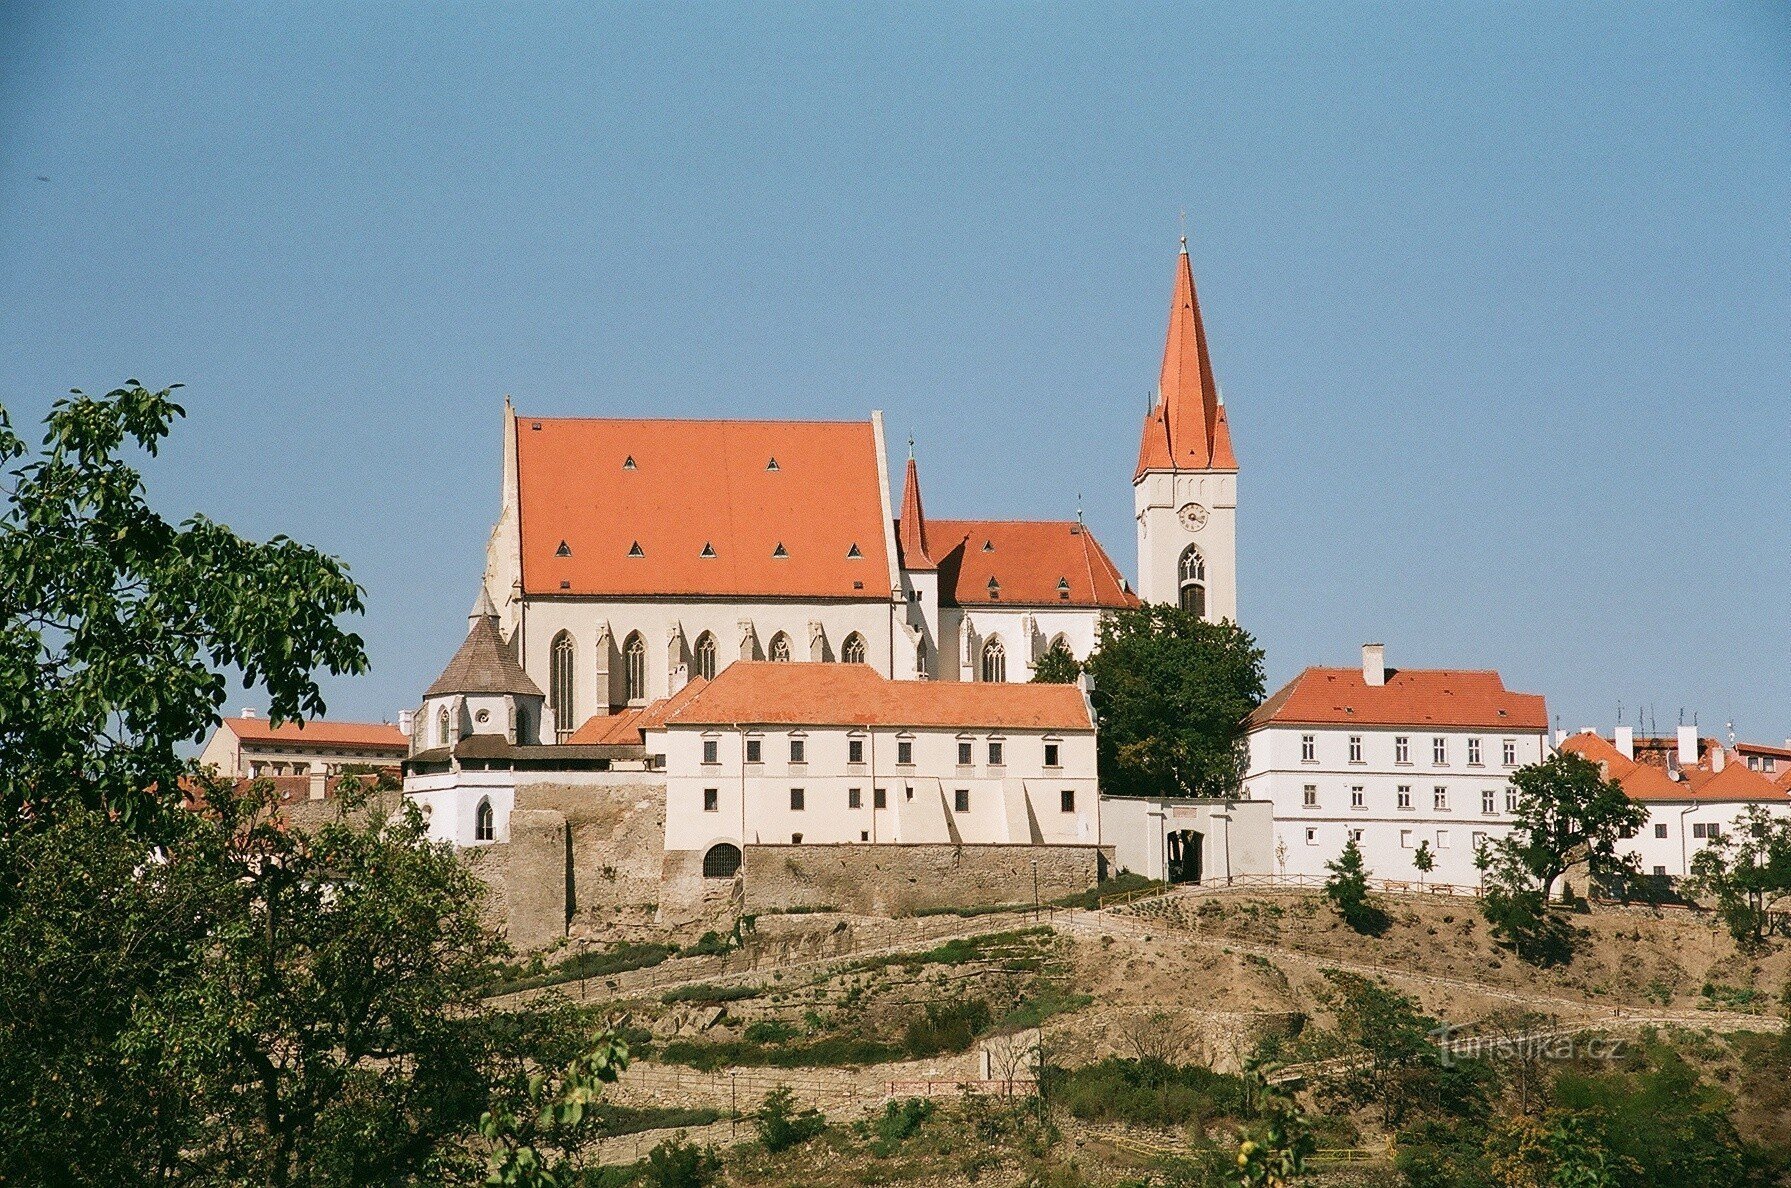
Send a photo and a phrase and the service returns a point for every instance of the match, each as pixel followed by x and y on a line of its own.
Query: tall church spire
pixel 1186 429
pixel 911 532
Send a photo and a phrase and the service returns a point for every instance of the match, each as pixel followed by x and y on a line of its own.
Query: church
pixel 632 554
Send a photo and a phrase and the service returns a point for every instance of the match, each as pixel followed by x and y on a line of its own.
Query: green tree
pixel 1172 692
pixel 1423 859
pixel 1568 812
pixel 116 624
pixel 538 1141
pixel 1058 666
pixel 1385 1056
pixel 1748 872
pixel 1512 903
pixel 1347 889
pixel 1273 1153
pixel 782 1126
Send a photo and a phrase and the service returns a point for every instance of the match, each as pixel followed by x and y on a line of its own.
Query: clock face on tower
pixel 1193 517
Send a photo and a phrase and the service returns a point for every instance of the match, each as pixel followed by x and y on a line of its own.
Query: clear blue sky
pixel 1499 297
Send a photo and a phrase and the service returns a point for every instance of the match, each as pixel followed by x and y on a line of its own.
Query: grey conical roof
pixel 483 664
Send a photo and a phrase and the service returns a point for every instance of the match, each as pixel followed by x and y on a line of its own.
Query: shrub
pixel 591 963
pixel 617 1120
pixel 1146 1092
pixel 706 994
pixel 899 1121
pixel 1347 889
pixel 769 1031
pixel 950 1026
pixel 782 1126
pixel 710 944
pixel 832 1052
pixel 677 1163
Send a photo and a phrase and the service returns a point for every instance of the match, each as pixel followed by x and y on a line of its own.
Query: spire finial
pixel 1184 220
pixel 911 447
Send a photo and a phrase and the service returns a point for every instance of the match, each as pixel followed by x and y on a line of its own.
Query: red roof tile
pixel 631 507
pixel 1186 429
pixel 911 529
pixel 1032 562
pixel 318 733
pixel 807 694
pixel 1642 780
pixel 1411 697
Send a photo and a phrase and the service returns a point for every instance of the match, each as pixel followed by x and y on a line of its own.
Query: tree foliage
pixel 116 625
pixel 1748 872
pixel 1567 813
pixel 1058 666
pixel 1172 692
pixel 1347 889
pixel 1385 1057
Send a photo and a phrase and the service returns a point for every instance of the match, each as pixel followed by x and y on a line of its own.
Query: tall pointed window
pixel 441 728
pixel 485 823
pixel 705 656
pixel 1193 581
pixel 634 667
pixel 994 660
pixel 780 648
pixel 559 685
pixel 852 651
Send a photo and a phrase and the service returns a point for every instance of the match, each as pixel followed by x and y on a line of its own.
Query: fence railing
pixel 1298 882
pixel 1010 1087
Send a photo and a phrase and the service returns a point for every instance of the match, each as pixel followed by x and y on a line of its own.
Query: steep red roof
pixel 911 529
pixel 628 727
pixel 1642 780
pixel 319 733
pixel 1032 562
pixel 1186 429
pixel 724 508
pixel 1411 697
pixel 1590 746
pixel 766 694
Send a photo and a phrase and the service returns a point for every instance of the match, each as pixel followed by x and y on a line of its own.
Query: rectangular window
pixel 798 751
pixel 1474 751
pixel 905 751
pixel 864 835
pixel 711 800
pixel 855 750
pixel 960 801
pixel 1311 796
pixel 1442 839
pixel 1477 842
pixel 1312 837
pixel 1488 800
pixel 1357 798
pixel 964 758
pixel 854 798
pixel 1051 755
pixel 711 750
pixel 994 754
pixel 1702 831
pixel 1355 748
pixel 1067 800
pixel 1405 796
pixel 795 839
pixel 1660 830
pixel 1308 749
pixel 1402 749
pixel 1439 751
pixel 1510 752
pixel 1440 799
pixel 1511 800
pixel 754 750
pixel 1660 872
pixel 1405 839
pixel 1355 835
pixel 795 800
pixel 879 798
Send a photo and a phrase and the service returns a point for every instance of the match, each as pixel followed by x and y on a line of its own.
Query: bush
pixel 710 944
pixel 782 1126
pixel 616 1120
pixel 591 963
pixel 1146 1092
pixel 706 994
pixel 899 1122
pixel 950 1026
pixel 832 1052
pixel 769 1031
pixel 677 1163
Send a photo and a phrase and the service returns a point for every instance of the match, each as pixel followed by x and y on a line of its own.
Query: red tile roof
pixel 1186 430
pixel 318 733
pixel 628 728
pixel 911 529
pixel 763 693
pixel 1032 562
pixel 1411 697
pixel 636 504
pixel 1642 780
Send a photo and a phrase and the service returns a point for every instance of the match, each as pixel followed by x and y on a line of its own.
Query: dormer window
pixel 994 589
pixel 1063 588
pixel 852 554
pixel 988 546
pixel 772 465
pixel 565 550
pixel 708 550
pixel 780 551
pixel 635 550
pixel 628 463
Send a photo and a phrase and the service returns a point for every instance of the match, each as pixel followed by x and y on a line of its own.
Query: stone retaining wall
pixel 897 880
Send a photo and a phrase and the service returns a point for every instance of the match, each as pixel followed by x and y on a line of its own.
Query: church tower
pixel 1185 490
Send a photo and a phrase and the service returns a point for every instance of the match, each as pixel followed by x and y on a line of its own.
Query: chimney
pixel 1718 757
pixel 317 779
pixel 249 712
pixel 1688 747
pixel 1626 741
pixel 1374 664
pixel 407 722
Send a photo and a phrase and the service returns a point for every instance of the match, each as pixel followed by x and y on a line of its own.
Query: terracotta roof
pixel 318 733
pixel 483 664
pixel 1642 780
pixel 808 694
pixel 1032 562
pixel 1411 697
pixel 645 507
pixel 1186 429
pixel 1599 750
pixel 911 528
pixel 628 728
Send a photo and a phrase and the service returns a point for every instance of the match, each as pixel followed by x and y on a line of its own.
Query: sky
pixel 1499 296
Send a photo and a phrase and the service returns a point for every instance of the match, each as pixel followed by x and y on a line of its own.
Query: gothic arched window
pixel 994 660
pixel 441 728
pixel 1193 581
pixel 780 648
pixel 634 668
pixel 852 651
pixel 920 658
pixel 485 822
pixel 705 656
pixel 722 860
pixel 559 685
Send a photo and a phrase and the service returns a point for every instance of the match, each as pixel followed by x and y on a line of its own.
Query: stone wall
pixel 895 880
